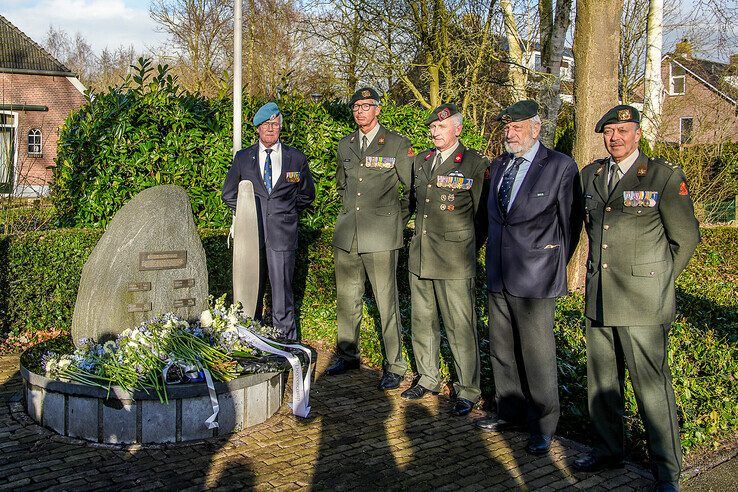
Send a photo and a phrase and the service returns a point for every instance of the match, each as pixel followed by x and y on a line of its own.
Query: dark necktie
pixel 364 144
pixel 614 178
pixel 508 179
pixel 268 170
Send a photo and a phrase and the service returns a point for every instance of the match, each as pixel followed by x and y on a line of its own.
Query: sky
pixel 104 23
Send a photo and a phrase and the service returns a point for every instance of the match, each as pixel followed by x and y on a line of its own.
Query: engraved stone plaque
pixel 161 260
pixel 184 283
pixel 186 302
pixel 139 307
pixel 139 286
pixel 150 246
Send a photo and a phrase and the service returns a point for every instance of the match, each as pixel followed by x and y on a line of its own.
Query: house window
pixel 565 70
pixel 34 143
pixel 677 79
pixel 685 130
pixel 7 152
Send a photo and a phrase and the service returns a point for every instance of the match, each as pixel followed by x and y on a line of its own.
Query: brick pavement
pixel 358 438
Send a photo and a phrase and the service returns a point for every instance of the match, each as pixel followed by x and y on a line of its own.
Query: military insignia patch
pixel 450 208
pixel 292 176
pixel 366 93
pixel 454 182
pixel 642 171
pixel 443 114
pixel 640 198
pixel 381 140
pixel 379 162
pixel 443 198
pixel 443 206
pixel 683 189
pixel 430 154
pixel 451 197
pixel 624 115
pixel 458 157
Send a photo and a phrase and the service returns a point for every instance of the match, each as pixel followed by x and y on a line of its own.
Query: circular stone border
pixel 120 417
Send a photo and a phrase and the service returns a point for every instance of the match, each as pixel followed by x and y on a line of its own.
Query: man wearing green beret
pixel 373 176
pixel 534 222
pixel 642 232
pixel 448 182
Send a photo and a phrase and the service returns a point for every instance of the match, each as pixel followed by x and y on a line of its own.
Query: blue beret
pixel 266 112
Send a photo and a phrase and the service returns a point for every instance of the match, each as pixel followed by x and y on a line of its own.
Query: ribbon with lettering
pixel 300 404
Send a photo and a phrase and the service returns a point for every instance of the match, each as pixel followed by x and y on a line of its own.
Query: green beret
pixel 442 112
pixel 619 114
pixel 364 93
pixel 266 112
pixel 521 110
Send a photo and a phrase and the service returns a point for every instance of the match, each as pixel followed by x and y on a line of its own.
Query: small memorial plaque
pixel 161 260
pixel 139 286
pixel 139 307
pixel 187 302
pixel 184 282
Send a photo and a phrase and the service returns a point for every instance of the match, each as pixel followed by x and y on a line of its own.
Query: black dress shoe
pixel 416 392
pixel 593 463
pixel 462 407
pixel 662 486
pixel 390 381
pixel 496 424
pixel 539 444
pixel 342 365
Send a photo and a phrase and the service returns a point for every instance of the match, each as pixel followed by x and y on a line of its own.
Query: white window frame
pixel 673 77
pixel 691 130
pixel 35 132
pixel 14 159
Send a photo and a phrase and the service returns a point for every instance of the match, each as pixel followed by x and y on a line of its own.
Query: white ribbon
pixel 210 422
pixel 300 404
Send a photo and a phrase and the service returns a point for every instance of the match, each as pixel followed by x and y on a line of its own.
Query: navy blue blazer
pixel 527 251
pixel 276 212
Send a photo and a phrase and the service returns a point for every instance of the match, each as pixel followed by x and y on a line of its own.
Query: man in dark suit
pixel 642 232
pixel 283 186
pixel 534 223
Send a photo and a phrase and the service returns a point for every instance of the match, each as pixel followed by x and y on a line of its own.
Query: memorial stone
pixel 150 261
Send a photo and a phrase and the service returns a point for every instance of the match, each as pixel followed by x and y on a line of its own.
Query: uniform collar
pixel 448 152
pixel 626 163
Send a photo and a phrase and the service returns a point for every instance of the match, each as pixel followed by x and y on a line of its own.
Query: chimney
pixel 684 49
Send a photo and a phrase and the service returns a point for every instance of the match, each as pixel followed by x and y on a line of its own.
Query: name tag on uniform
pixel 640 198
pixel 454 182
pixel 292 176
pixel 379 162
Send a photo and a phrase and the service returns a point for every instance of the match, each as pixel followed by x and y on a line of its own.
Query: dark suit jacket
pixel 276 212
pixel 527 251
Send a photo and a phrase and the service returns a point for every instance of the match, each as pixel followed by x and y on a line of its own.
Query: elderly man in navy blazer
pixel 283 187
pixel 534 223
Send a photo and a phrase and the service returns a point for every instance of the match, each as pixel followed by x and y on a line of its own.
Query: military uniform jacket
pixel 374 190
pixel 277 211
pixel 446 201
pixel 641 237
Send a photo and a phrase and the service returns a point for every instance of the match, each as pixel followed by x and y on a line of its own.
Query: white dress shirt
pixel 276 160
pixel 522 171
pixel 625 164
pixel 369 136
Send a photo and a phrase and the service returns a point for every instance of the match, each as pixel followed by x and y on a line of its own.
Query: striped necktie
pixel 268 170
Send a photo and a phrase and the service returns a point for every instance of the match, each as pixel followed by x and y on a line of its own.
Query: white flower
pixel 206 319
pixel 51 366
pixel 233 319
pixel 64 363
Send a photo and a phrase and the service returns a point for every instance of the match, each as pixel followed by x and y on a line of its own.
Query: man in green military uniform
pixel 446 194
pixel 642 232
pixel 373 177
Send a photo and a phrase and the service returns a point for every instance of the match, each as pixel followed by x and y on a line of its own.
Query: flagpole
pixel 237 82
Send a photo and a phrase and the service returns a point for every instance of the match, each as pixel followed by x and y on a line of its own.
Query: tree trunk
pixel 596 46
pixel 551 59
pixel 653 86
pixel 518 72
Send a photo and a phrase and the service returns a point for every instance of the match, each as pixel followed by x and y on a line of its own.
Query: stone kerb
pixel 119 417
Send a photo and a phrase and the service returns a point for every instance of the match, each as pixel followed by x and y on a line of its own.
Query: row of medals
pixel 450 197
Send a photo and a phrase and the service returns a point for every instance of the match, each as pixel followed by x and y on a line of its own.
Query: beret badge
pixel 624 115
pixel 366 93
pixel 443 114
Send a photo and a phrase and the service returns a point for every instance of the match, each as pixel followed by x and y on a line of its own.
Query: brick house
pixel 37 93
pixel 700 103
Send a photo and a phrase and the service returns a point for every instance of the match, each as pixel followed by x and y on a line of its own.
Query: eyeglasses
pixel 271 124
pixel 363 107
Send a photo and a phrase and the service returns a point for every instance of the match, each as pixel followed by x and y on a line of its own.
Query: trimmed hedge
pixel 39 276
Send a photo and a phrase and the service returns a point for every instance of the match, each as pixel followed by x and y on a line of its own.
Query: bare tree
pixel 653 86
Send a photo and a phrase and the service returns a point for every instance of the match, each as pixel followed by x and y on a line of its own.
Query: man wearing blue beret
pixel 283 187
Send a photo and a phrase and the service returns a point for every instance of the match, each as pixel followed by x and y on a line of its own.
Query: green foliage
pixel 149 131
pixel 40 271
